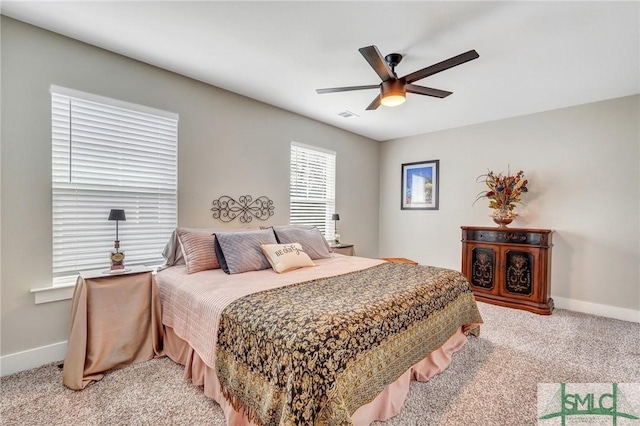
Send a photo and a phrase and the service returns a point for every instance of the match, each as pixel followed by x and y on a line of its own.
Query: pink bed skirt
pixel 386 405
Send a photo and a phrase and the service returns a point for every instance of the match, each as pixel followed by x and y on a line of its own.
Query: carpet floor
pixel 491 381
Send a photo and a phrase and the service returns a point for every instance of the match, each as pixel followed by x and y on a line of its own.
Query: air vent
pixel 347 114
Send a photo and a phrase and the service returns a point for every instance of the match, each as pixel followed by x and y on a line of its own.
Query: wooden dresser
pixel 509 266
pixel 346 249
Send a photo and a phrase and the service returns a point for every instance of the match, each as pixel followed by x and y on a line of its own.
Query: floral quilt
pixel 312 353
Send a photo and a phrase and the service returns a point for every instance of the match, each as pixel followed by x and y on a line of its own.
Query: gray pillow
pixel 173 252
pixel 277 228
pixel 239 252
pixel 311 240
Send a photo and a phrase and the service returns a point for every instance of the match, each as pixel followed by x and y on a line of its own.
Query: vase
pixel 503 217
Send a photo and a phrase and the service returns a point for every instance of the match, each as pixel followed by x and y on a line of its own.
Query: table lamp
pixel 117 256
pixel 335 218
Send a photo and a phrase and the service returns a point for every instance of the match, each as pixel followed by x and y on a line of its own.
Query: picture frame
pixel 420 185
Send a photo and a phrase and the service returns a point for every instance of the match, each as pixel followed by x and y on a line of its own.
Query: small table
pixel 346 249
pixel 400 260
pixel 116 320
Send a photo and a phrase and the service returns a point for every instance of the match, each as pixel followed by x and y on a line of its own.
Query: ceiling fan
pixel 393 89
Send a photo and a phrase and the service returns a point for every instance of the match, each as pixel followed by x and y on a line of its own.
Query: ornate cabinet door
pixel 509 266
pixel 481 270
pixel 519 273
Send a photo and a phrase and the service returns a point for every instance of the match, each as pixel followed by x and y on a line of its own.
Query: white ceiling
pixel 534 56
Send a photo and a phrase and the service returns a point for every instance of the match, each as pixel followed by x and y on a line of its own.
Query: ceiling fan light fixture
pixel 393 93
pixel 393 100
pixel 393 89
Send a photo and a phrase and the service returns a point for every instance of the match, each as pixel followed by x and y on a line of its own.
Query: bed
pixel 332 344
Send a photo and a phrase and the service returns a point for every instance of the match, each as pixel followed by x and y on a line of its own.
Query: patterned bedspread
pixel 312 353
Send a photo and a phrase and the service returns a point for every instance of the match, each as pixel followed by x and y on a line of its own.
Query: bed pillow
pixel 286 257
pixel 198 250
pixel 277 228
pixel 239 252
pixel 172 252
pixel 311 240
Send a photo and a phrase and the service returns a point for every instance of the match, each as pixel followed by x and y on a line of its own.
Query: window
pixel 312 189
pixel 109 154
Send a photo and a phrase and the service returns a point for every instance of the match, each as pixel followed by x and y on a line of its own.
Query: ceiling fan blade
pixel 377 62
pixel 441 66
pixel 421 90
pixel 346 89
pixel 375 104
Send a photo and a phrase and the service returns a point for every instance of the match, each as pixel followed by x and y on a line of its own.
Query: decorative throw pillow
pixel 286 257
pixel 311 240
pixel 277 228
pixel 239 252
pixel 172 252
pixel 198 250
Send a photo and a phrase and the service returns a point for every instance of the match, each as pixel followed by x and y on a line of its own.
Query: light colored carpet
pixel 491 381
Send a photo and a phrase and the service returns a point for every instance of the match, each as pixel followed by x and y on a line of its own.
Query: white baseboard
pixel 597 309
pixel 32 358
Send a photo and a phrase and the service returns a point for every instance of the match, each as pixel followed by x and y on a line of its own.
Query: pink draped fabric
pixel 386 405
pixel 115 321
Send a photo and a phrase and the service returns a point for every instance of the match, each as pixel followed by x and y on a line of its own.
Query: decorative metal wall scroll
pixel 246 208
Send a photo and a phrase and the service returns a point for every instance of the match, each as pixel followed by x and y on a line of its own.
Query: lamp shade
pixel 117 214
pixel 393 93
pixel 335 216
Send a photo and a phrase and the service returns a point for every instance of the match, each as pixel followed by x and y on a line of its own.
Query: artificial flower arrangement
pixel 504 192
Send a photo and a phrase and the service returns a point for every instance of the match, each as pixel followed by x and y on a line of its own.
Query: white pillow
pixel 286 257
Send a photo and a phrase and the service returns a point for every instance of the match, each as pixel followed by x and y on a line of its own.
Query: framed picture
pixel 420 183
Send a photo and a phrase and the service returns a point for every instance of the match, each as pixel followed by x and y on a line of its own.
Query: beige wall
pixel 583 167
pixel 228 145
pixel 583 164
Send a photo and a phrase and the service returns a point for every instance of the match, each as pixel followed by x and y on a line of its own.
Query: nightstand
pixel 116 320
pixel 346 249
pixel 399 260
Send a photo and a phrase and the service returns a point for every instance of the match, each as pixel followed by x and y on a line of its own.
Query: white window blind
pixel 312 189
pixel 110 155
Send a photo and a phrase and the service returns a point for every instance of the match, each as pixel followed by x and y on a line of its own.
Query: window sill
pixel 63 288
pixel 53 294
